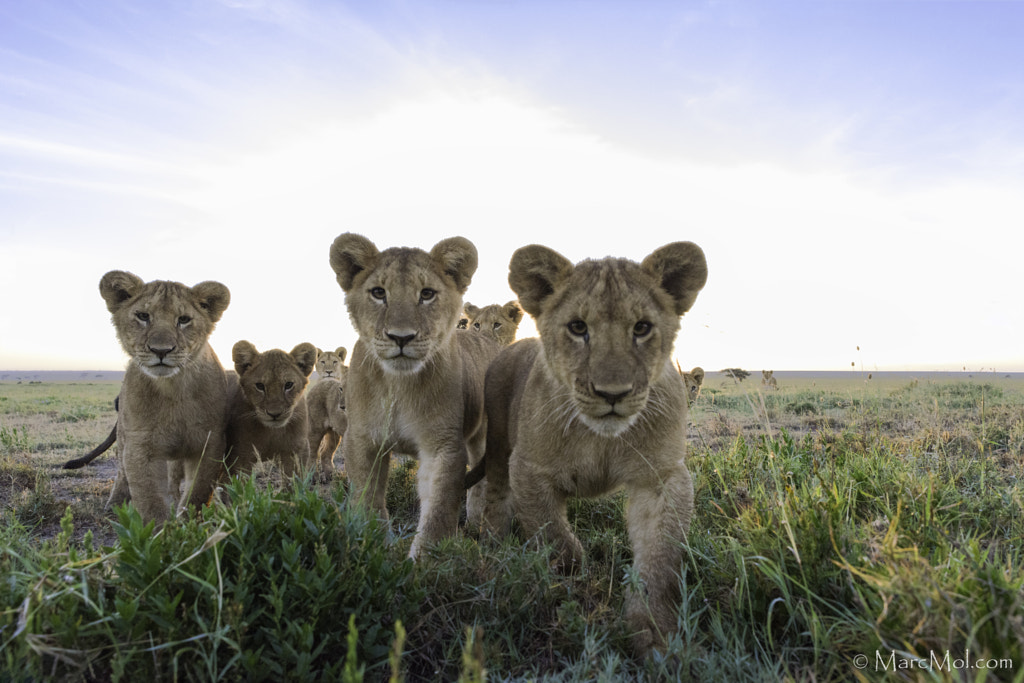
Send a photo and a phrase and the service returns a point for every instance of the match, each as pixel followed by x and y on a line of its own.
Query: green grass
pixel 885 526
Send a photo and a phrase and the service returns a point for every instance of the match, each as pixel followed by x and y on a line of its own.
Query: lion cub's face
pixel 162 324
pixel 273 381
pixel 608 326
pixel 331 363
pixel 693 379
pixel 498 321
pixel 403 302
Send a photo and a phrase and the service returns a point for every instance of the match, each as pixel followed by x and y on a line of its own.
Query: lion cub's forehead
pixel 405 267
pixel 611 287
pixel 271 362
pixel 165 296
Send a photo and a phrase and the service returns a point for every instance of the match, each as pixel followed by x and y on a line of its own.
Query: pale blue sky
pixel 853 169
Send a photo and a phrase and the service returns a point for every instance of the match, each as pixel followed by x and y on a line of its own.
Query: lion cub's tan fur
pixel 331 363
pixel 693 379
pixel 595 405
pixel 415 383
pixel 267 408
pixel 500 321
pixel 325 400
pixel 171 417
pixel 768 380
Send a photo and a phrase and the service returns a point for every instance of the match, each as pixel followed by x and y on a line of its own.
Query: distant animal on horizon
pixel 693 379
pixel 768 381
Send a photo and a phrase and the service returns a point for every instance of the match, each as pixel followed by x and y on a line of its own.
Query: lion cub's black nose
pixel 161 352
pixel 612 397
pixel 402 339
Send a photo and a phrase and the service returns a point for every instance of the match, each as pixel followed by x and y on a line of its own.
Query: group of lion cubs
pixel 591 406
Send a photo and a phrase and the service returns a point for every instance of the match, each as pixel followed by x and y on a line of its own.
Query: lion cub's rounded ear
pixel 458 259
pixel 698 374
pixel 342 352
pixel 119 286
pixel 514 311
pixel 681 269
pixel 212 297
pixel 351 254
pixel 305 357
pixel 470 310
pixel 244 354
pixel 533 274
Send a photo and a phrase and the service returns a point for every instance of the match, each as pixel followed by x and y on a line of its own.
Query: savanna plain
pixel 847 526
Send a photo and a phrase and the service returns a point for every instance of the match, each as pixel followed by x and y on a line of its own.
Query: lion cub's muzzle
pixel 275 418
pixel 609 409
pixel 401 351
pixel 159 360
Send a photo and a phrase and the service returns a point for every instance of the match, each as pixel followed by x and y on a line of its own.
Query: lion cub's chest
pixel 583 463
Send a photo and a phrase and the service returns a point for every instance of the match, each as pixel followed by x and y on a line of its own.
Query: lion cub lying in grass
pixel 595 405
pixel 267 408
pixel 415 383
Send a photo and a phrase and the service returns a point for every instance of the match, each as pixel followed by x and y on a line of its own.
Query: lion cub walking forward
pixel 326 403
pixel 596 405
pixel 171 409
pixel 415 383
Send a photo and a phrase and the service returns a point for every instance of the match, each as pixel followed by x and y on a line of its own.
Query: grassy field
pixel 846 528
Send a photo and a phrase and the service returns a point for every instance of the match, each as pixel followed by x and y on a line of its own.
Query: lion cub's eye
pixel 642 329
pixel 261 387
pixel 184 320
pixel 476 325
pixel 288 386
pixel 497 325
pixel 578 327
pixel 142 316
pixel 379 293
pixel 427 294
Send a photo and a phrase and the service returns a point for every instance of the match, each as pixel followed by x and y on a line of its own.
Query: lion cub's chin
pixel 609 425
pixel 159 370
pixel 401 365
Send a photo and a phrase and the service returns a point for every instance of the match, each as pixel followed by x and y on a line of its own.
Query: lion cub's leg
pixel 367 464
pixel 326 446
pixel 541 509
pixel 497 512
pixel 476 497
pixel 439 485
pixel 657 519
pixel 120 493
pixel 149 487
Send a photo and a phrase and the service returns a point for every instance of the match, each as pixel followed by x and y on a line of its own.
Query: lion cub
pixel 500 321
pixel 415 382
pixel 595 405
pixel 325 401
pixel 267 408
pixel 331 363
pixel 170 420
pixel 693 379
